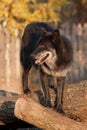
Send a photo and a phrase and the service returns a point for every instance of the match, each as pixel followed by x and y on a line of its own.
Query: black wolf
pixel 45 48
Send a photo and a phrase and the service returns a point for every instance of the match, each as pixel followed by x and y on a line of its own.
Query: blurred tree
pixel 75 10
pixel 81 9
pixel 15 14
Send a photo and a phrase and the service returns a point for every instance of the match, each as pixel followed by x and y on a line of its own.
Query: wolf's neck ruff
pixel 57 72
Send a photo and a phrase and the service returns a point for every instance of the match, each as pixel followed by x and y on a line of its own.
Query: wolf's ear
pixel 43 31
pixel 55 35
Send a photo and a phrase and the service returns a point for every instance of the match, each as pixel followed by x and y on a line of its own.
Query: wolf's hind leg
pixel 25 80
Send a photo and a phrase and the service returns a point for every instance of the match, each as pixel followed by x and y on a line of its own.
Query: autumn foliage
pixel 15 14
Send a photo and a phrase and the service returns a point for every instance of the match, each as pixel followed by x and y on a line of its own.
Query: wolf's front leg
pixel 45 87
pixel 60 82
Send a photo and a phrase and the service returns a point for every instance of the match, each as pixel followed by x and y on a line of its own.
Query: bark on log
pixel 75 106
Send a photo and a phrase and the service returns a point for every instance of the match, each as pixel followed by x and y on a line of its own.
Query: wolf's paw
pixel 48 104
pixel 27 91
pixel 59 109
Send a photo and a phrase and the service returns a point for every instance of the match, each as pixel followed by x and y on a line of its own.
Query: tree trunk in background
pixel 77 34
pixel 10 68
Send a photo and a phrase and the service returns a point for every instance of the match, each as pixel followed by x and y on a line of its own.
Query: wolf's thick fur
pixel 45 48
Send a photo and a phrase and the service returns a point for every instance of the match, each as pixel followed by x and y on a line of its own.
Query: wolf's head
pixel 45 49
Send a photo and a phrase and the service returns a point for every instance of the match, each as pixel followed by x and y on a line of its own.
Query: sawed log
pixel 29 110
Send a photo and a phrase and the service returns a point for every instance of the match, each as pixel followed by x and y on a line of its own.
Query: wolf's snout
pixel 40 58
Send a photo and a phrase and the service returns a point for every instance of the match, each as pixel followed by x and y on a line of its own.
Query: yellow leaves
pixel 19 10
pixel 44 12
pixel 7 1
pixel 18 13
pixel 84 1
pixel 56 2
